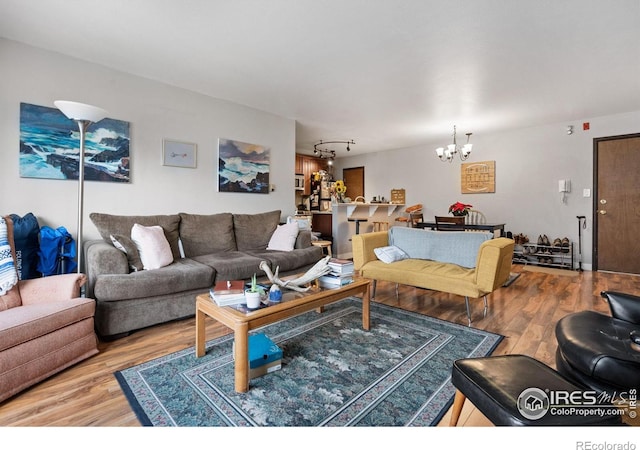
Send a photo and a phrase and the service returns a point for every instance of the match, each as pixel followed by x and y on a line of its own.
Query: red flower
pixel 459 208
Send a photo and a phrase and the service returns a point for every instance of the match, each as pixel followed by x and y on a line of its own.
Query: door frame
pixel 594 205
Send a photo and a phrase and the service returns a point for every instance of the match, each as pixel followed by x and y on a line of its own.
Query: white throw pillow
pixel 152 245
pixel 284 238
pixel 390 254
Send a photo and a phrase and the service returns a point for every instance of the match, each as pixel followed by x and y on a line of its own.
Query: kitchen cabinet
pixel 307 165
pixel 321 223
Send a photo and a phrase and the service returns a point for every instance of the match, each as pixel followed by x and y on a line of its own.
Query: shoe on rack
pixel 545 240
pixel 557 243
pixel 565 244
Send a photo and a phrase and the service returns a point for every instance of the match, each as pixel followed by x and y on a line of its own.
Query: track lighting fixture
pixel 326 153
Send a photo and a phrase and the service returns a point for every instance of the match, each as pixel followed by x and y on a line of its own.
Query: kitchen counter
pixel 370 208
pixel 343 229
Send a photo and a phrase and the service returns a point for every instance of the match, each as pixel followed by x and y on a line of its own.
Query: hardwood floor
pixel 88 394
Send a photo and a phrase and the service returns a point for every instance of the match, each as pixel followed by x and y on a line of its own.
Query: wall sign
pixel 478 177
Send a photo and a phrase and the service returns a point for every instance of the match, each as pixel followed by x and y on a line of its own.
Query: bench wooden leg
pixel 456 409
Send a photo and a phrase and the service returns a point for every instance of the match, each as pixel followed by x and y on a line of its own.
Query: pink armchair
pixel 45 327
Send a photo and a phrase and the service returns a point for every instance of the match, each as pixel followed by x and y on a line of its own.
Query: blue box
pixel 262 350
pixel 264 355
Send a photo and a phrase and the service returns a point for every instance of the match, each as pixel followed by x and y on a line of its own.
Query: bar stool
pixel 357 221
pixel 324 245
pixel 380 226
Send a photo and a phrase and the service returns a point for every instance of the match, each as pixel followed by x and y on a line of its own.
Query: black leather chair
pixel 498 386
pixel 599 351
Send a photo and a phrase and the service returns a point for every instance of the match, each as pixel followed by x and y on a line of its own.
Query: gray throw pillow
pixel 126 245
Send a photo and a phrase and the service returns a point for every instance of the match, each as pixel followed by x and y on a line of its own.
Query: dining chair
pixel 475 217
pixel 415 218
pixel 448 223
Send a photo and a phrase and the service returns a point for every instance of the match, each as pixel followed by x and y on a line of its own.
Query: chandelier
pixel 326 153
pixel 446 154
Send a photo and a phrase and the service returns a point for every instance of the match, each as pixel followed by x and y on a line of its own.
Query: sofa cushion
pixel 128 247
pixel 204 234
pixel 253 231
pixel 232 265
pixel 108 224
pixel 20 325
pixel 284 237
pixel 289 260
pixel 425 273
pixel 181 275
pixel 152 246
pixel 456 247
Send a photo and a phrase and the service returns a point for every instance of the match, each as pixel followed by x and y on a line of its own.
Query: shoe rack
pixel 558 253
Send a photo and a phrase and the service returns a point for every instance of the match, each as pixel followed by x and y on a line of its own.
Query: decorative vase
pixel 460 213
pixel 253 299
pixel 275 294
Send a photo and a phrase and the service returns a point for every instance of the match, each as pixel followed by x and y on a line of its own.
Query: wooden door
pixel 616 210
pixel 354 180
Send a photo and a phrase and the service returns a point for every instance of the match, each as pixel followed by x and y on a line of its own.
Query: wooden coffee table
pixel 292 304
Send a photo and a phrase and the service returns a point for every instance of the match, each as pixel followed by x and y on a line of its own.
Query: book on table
pixel 341 266
pixel 227 293
pixel 331 280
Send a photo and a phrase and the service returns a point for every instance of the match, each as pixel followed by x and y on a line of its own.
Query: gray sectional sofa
pixel 205 248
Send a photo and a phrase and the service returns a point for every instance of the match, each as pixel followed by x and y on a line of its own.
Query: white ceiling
pixel 385 73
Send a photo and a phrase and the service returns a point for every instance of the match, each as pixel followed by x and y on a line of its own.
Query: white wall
pixel 155 111
pixel 529 163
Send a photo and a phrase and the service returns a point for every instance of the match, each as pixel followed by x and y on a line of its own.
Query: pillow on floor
pixel 284 238
pixel 390 254
pixel 152 245
pixel 128 247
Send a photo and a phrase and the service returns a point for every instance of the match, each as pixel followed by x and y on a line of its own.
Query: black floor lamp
pixel 84 115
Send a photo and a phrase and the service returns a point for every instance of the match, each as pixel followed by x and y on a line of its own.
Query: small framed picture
pixel 179 154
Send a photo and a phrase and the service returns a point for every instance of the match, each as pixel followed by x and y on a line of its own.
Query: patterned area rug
pixel 333 373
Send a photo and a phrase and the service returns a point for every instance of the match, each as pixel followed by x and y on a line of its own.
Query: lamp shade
pixel 80 111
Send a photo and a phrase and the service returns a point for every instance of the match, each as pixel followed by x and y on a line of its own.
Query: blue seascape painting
pixel 243 167
pixel 50 146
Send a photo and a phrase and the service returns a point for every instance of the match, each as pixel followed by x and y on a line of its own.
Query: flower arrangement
pixel 340 189
pixel 460 209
